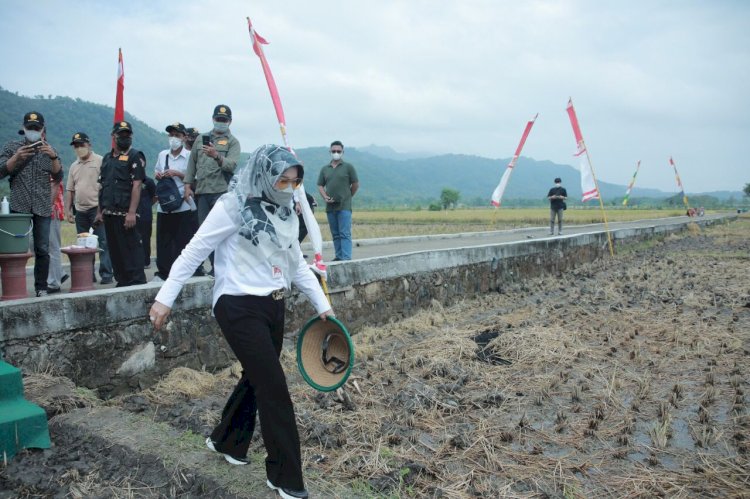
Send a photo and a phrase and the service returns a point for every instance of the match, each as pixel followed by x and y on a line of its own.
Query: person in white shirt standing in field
pixel 253 230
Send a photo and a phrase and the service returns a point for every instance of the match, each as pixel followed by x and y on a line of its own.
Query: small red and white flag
pixel 119 104
pixel 588 183
pixel 497 195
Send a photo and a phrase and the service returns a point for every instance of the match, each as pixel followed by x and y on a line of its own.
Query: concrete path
pixel 373 248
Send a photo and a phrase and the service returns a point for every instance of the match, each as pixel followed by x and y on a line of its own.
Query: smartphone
pixel 36 145
pixel 206 140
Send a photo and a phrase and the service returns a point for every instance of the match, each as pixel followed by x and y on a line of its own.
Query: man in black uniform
pixel 557 196
pixel 122 173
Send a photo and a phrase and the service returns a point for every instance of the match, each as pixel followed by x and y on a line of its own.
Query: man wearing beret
pixel 173 228
pixel 122 173
pixel 82 198
pixel 212 163
pixel 31 163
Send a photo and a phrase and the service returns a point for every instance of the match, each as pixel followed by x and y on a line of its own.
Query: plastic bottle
pixel 5 206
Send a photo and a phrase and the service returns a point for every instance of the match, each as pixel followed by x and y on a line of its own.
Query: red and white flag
pixel 313 228
pixel 119 104
pixel 497 195
pixel 588 183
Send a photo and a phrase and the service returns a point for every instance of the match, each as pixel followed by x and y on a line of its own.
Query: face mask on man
pixel 123 142
pixel 336 156
pixel 221 127
pixel 175 143
pixel 32 135
pixel 82 151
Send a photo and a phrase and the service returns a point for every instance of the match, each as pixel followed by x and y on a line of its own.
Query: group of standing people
pixel 112 197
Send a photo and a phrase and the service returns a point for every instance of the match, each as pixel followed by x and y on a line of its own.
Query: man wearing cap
pixel 174 228
pixel 122 173
pixel 212 163
pixel 31 163
pixel 82 198
pixel 191 133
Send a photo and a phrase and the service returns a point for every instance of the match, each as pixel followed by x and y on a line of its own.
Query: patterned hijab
pixel 267 218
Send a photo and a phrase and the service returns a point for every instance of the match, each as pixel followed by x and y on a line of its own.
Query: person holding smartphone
pixel 30 164
pixel 211 166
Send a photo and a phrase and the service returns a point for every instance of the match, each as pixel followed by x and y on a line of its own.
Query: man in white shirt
pixel 173 228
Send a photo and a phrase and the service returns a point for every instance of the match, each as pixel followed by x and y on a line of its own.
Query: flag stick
pixel 632 183
pixel 601 202
pixel 679 184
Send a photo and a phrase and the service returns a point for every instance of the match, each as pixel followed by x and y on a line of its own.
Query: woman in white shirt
pixel 253 230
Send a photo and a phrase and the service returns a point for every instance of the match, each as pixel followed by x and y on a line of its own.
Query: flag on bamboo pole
pixel 119 103
pixel 630 186
pixel 497 195
pixel 307 214
pixel 679 183
pixel 588 182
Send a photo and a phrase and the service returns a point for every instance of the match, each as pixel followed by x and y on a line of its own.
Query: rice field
pixel 375 224
pixel 625 377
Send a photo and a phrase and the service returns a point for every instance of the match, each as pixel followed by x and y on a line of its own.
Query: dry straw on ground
pixel 625 378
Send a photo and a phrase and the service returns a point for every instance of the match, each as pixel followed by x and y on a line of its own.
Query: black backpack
pixel 167 192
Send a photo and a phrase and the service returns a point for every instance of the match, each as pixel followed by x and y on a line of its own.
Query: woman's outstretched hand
pixel 158 314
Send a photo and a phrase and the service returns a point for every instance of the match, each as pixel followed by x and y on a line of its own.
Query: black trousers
pixel 125 251
pixel 144 227
pixel 173 232
pixel 254 328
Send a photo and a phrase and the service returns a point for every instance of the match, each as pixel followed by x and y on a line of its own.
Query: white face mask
pixel 32 135
pixel 221 127
pixel 336 156
pixel 82 152
pixel 558 184
pixel 175 143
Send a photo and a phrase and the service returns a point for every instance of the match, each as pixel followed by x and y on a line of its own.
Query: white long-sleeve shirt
pixel 220 233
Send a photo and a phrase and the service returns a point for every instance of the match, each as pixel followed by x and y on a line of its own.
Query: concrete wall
pixel 103 339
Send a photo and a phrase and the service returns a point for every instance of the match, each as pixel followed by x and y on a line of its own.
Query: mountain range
pixel 387 178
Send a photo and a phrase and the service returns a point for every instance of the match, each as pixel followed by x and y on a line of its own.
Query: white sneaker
pixel 288 493
pixel 227 457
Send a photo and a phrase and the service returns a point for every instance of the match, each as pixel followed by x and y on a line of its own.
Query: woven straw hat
pixel 325 353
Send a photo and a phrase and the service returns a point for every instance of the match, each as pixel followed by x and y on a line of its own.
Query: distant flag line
pixel 497 195
pixel 632 182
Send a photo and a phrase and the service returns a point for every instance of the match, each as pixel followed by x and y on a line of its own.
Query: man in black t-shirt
pixel 557 196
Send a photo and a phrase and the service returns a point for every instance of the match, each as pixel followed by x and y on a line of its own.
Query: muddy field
pixel 626 377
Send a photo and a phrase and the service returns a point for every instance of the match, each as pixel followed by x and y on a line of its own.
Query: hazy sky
pixel 649 79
